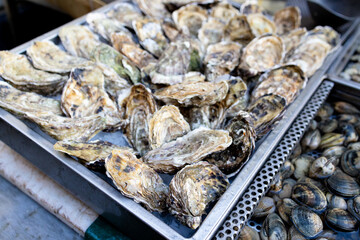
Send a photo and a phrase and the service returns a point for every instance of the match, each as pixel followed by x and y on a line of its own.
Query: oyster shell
pixel 91 154
pixel 150 35
pixel 18 70
pixel 292 39
pixel 125 12
pixel 261 54
pixel 212 31
pixel 221 59
pixel 189 19
pixel 190 148
pixel 84 95
pixel 193 93
pixel 285 81
pixel 166 125
pixel 192 189
pixel 139 106
pixel 326 34
pixel 170 29
pixel 136 180
pixel 153 8
pixel 287 19
pixel 238 30
pixel 224 12
pixel 180 3
pixel 260 24
pixel 250 7
pixel 47 56
pixel 210 116
pixel 237 97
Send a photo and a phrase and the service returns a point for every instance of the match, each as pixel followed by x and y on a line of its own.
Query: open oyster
pixel 139 106
pixel 193 93
pixel 49 57
pixel 18 70
pixel 166 125
pixel 136 180
pixel 153 8
pixel 150 35
pixel 261 54
pixel 221 59
pixel 260 24
pixel 238 30
pixel 224 12
pixel 84 95
pixel 285 81
pixel 91 154
pixel 287 19
pixel 188 149
pixel 189 19
pixel 192 189
pixel 243 135
pixel 125 12
pixel 212 31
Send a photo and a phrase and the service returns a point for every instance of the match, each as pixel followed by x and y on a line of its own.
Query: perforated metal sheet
pixel 242 212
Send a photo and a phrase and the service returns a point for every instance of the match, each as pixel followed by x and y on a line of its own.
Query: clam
pixel 324 112
pixel 297 151
pixel 192 189
pixel 153 8
pixel 344 107
pixel 302 164
pixel 248 233
pixel 238 30
pixel 260 24
pixel 286 189
pixel 224 12
pixel 334 153
pixel 342 184
pixel 287 19
pixel 321 168
pixel 331 139
pixel 328 125
pixel 306 222
pixel 349 132
pixel 309 195
pixel 353 206
pixel 190 19
pixel 350 162
pixel 341 219
pixel 125 13
pixel 335 201
pixel 313 124
pixel 349 118
pixel 354 146
pixel 277 184
pixel 287 169
pixel 294 234
pixel 273 228
pixel 285 207
pixel 211 32
pixel 312 181
pixel 311 140
pixel 264 208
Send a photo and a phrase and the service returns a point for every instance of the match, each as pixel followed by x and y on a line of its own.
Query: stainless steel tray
pixel 96 190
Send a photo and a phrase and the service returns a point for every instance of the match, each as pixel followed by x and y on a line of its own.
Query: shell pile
pixel 179 84
pixel 352 69
pixel 316 194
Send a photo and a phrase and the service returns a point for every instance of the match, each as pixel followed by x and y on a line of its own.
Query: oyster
pixel 136 180
pixel 238 30
pixel 212 31
pixel 221 59
pixel 91 154
pixel 224 12
pixel 153 8
pixel 18 70
pixel 237 97
pixel 166 125
pixel 179 3
pixel 150 35
pixel 84 95
pixel 326 34
pixel 192 189
pixel 188 149
pixel 49 57
pixel 125 13
pixel 193 93
pixel 261 54
pixel 285 81
pixel 243 135
pixel 287 19
pixel 78 40
pixel 260 24
pixel 210 116
pixel 190 19
pixel 292 39
pixel 170 29
pixel 250 7
pixel 139 106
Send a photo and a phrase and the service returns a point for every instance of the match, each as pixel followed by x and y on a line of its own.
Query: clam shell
pixel 335 201
pixel 344 107
pixel 309 195
pixel 248 233
pixel 273 228
pixel 353 206
pixel 342 184
pixel 324 112
pixel 294 234
pixel 334 153
pixel 321 168
pixel 284 207
pixel 341 219
pixel 349 131
pixel 265 207
pixel 331 139
pixel 350 162
pixel 287 19
pixel 328 125
pixel 311 140
pixel 306 222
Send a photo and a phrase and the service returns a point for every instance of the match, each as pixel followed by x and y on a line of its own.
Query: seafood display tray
pixel 131 218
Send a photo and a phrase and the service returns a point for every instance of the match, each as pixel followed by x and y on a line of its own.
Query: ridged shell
pixel 224 12
pixel 190 19
pixel 306 221
pixel 250 7
pixel 311 140
pixel 309 195
pixel 210 116
pixel 335 201
pixel 326 34
pixel 260 24
pixel 285 207
pixel 238 30
pixel 353 206
pixel 350 162
pixel 273 228
pixel 265 207
pixel 248 233
pixel 292 39
pixel 238 96
pixel 287 19
pixel 341 219
pixel 125 13
pixel 211 32
pixel 153 8
pixel 342 184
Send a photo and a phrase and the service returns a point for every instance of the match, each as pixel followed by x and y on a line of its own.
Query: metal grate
pixel 242 212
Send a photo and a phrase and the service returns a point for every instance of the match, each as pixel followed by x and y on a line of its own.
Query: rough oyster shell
pixel 287 20
pixel 326 34
pixel 193 93
pixel 166 125
pixel 189 19
pixel 238 30
pixel 210 116
pixel 84 95
pixel 261 54
pixel 150 35
pixel 285 81
pixel 224 12
pixel 170 29
pixel 292 39
pixel 180 3
pixel 136 180
pixel 250 7
pixel 125 12
pixel 188 149
pixel 91 154
pixel 18 70
pixel 212 31
pixel 153 8
pixel 139 106
pixel 192 189
pixel 260 24
pixel 237 97
pixel 221 59
pixel 47 56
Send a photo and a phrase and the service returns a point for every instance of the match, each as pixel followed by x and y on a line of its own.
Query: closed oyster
pixel 221 59
pixel 150 35
pixel 188 149
pixel 243 141
pixel 260 24
pixel 224 12
pixel 193 93
pixel 210 116
pixel 211 32
pixel 136 180
pixel 192 189
pixel 261 54
pixel 166 125
pixel 285 81
pixel 153 8
pixel 78 40
pixel 125 12
pixel 287 19
pixel 18 70
pixel 190 19
pixel 107 55
pixel 139 106
pixel 84 95
pixel 250 7
pixel 49 57
pixel 292 39
pixel 326 34
pixel 180 3
pixel 91 154
pixel 238 30
pixel 170 29
pixel 237 97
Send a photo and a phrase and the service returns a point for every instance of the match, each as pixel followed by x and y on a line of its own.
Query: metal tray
pixel 96 190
